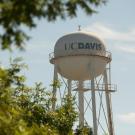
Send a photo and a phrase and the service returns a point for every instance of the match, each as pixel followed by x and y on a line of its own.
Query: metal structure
pixel 81 60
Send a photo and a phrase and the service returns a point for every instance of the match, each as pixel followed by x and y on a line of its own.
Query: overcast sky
pixel 115 23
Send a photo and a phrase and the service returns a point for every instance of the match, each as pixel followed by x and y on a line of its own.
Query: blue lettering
pixel 71 46
pixel 87 46
pixel 98 47
pixel 92 45
pixel 80 45
pixel 65 47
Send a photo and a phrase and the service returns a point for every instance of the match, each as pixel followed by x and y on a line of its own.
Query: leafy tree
pixel 66 116
pixel 85 130
pixel 17 14
pixel 27 110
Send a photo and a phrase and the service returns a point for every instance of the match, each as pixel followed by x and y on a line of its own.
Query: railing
pixel 102 87
pixel 105 54
pixel 99 87
pixel 51 55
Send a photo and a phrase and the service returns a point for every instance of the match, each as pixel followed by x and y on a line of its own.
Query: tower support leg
pixel 108 104
pixel 69 87
pixel 81 103
pixel 93 96
pixel 55 79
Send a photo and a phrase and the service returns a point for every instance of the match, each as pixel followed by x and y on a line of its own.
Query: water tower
pixel 81 59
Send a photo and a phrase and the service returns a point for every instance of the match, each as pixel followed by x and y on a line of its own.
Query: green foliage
pixel 17 14
pixel 56 84
pixel 85 130
pixel 27 110
pixel 65 116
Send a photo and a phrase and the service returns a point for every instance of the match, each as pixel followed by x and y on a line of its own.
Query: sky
pixel 115 23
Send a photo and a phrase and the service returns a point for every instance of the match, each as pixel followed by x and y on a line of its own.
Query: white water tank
pixel 80 56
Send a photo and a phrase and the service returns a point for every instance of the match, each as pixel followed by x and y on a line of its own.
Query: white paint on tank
pixel 78 54
pixel 78 43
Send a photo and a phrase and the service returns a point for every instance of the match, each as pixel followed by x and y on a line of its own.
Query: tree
pixel 27 110
pixel 15 14
pixel 85 130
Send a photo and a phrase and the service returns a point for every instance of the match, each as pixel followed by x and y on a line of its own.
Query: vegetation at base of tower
pixel 28 110
pixel 85 130
pixel 15 15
